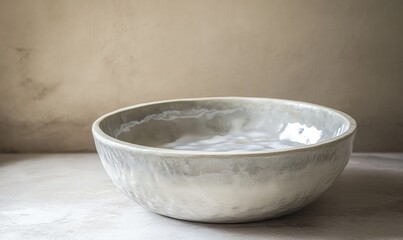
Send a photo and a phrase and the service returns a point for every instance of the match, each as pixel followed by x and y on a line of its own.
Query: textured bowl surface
pixel 229 159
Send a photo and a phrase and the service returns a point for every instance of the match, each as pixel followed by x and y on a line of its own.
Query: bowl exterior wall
pixel 224 188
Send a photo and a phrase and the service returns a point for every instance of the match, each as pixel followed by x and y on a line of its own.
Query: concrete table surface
pixel 69 196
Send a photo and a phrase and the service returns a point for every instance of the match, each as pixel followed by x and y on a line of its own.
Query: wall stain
pixel 17 131
pixel 23 50
pixel 36 89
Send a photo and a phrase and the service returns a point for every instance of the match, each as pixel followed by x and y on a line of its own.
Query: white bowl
pixel 229 159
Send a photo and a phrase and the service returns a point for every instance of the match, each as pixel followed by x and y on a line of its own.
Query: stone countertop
pixel 70 196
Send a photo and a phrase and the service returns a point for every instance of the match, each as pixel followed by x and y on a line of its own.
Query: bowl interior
pixel 222 125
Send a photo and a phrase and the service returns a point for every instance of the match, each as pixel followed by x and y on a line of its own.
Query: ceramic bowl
pixel 229 159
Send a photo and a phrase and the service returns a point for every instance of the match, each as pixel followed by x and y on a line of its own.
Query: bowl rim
pixel 100 135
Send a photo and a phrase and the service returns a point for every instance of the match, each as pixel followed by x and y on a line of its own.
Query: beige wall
pixel 64 63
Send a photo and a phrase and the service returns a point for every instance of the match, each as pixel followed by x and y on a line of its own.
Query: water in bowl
pixel 293 135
